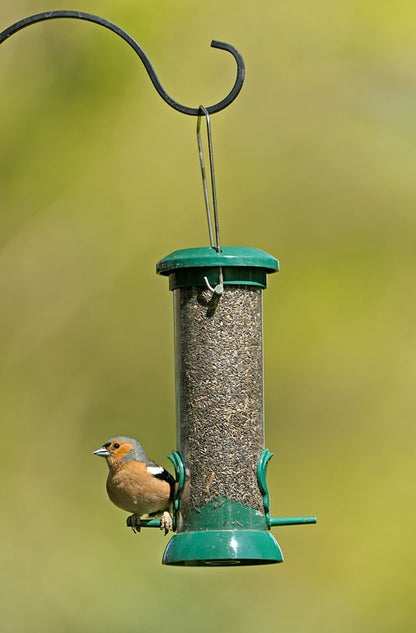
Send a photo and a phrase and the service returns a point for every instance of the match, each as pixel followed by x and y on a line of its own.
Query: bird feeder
pixel 221 505
pixel 219 390
pixel 222 510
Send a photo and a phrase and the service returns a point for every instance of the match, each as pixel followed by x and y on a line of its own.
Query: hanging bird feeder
pixel 222 514
pixel 221 505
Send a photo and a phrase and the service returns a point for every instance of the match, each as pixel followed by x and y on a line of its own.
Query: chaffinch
pixel 135 483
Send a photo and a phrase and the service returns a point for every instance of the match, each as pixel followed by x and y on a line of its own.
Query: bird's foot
pixel 133 522
pixel 166 522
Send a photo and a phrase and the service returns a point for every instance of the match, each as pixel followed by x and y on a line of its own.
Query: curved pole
pixel 40 17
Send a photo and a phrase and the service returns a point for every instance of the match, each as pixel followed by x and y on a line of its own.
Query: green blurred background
pixel 99 179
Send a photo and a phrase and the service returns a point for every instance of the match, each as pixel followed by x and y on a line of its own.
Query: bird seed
pixel 219 383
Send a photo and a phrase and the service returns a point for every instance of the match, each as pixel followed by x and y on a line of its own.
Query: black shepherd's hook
pixel 40 17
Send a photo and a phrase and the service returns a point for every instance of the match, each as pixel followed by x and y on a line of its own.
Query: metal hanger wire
pixel 215 242
pixel 212 215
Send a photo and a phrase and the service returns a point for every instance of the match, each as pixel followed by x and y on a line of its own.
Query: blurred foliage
pixel 99 179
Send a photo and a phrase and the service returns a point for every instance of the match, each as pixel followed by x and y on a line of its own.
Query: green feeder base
pixel 222 547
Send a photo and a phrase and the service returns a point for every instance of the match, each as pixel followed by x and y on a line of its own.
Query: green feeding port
pixel 222 533
pixel 221 548
pixel 221 512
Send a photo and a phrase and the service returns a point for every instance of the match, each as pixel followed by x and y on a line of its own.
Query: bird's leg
pixel 133 522
pixel 166 522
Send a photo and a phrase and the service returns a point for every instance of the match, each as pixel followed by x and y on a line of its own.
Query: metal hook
pixel 48 15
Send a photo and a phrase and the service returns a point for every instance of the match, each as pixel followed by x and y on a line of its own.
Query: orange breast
pixel 132 488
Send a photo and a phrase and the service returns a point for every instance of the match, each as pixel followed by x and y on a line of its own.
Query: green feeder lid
pixel 240 266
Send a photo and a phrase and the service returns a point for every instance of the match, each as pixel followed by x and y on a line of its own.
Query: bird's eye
pixel 116 445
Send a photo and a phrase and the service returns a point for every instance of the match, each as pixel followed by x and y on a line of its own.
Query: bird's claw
pixel 166 522
pixel 133 522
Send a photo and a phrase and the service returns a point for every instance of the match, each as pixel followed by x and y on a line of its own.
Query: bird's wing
pixel 160 473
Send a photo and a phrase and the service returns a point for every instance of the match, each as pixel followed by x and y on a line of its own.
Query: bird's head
pixel 120 450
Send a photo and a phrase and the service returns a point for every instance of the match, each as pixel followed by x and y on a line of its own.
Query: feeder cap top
pixel 207 257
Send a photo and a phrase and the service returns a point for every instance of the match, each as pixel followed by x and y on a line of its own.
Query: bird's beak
pixel 102 452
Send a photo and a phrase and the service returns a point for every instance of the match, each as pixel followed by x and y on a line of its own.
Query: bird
pixel 136 484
